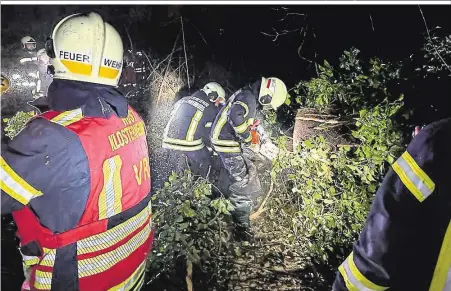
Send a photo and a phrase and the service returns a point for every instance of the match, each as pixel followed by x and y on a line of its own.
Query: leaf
pixel 184 225
pixel 390 159
pixel 237 251
pixel 308 144
pixel 288 101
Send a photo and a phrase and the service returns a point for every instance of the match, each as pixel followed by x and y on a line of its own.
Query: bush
pixel 188 222
pixel 332 187
pixel 15 124
pixel 350 87
pixel 336 184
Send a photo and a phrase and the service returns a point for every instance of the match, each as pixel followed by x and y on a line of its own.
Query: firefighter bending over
pixel 406 241
pixel 231 128
pixel 77 178
pixel 188 128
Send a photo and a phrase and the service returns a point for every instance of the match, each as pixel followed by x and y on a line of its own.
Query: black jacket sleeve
pixel 376 258
pixel 41 166
pixel 242 114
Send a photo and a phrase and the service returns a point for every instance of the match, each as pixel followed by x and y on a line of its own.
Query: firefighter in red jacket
pixel 77 178
pixel 406 241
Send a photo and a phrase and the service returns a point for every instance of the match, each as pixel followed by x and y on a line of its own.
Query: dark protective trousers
pixel 165 161
pixel 200 162
pixel 239 182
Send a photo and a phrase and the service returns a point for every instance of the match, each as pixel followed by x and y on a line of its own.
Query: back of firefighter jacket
pixel 406 241
pixel 77 180
pixel 189 125
pixel 231 125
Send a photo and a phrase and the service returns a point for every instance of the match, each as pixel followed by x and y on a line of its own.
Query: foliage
pixel 332 187
pixel 437 55
pixel 188 222
pixel 350 86
pixel 336 185
pixel 16 123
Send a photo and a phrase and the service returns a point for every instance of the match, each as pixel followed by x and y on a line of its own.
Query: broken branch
pixel 261 209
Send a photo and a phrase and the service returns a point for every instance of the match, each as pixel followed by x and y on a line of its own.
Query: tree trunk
pixel 310 123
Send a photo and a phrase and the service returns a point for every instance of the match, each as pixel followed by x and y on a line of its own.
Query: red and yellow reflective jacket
pixel 78 184
pixel 406 241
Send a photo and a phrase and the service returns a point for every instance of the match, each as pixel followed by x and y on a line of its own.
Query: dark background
pixel 233 34
pixel 232 37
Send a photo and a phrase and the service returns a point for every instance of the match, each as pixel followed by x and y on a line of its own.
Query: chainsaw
pixel 261 144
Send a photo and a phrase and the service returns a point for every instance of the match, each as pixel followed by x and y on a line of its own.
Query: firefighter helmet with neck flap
pixel 273 92
pixel 85 48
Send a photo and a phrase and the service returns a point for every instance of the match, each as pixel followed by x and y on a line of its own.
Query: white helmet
pixel 28 43
pixel 214 91
pixel 272 92
pixel 85 48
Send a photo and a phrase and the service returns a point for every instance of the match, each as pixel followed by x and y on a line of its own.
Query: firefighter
pixel 28 44
pixel 44 74
pixel 30 61
pixel 45 78
pixel 129 74
pixel 406 241
pixel 135 73
pixel 141 68
pixel 77 178
pixel 231 129
pixel 29 50
pixel 5 85
pixel 188 129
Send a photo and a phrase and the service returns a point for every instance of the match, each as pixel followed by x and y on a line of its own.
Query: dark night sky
pixel 234 37
pixel 234 33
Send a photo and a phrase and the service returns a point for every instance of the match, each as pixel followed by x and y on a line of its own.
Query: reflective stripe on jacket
pixel 188 128
pixel 231 125
pixel 406 241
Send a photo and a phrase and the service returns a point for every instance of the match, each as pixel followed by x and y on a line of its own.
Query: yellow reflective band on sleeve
pixel 354 279
pixel 242 128
pixel 43 280
pixel 220 124
pixel 110 199
pixel 441 281
pixel 413 177
pixel 16 187
pixel 244 105
pixel 183 148
pixel 183 142
pixel 249 138
pixel 221 149
pixel 68 117
pixel 193 125
pixel 221 142
pixel 131 281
